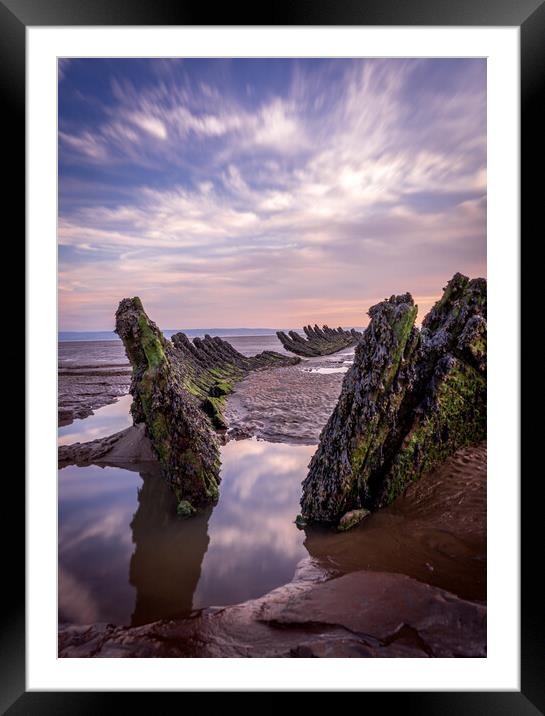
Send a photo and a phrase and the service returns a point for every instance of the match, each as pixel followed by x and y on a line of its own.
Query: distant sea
pixel 192 332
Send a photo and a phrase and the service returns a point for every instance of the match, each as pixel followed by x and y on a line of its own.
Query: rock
pixel 383 610
pixel 318 341
pixel 363 614
pixel 127 446
pixel 410 399
pixel 352 518
pixel 178 390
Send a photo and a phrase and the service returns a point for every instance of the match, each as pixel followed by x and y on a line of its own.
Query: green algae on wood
pixel 185 509
pixel 179 391
pixel 457 417
pixel 151 344
pixel 410 399
pixel 214 408
pixel 180 433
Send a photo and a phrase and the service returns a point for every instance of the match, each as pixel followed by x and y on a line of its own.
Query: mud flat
pixel 289 404
pixel 83 388
pixel 286 405
pixel 92 374
pixel 283 405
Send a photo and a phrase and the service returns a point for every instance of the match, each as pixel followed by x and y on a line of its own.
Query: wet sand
pixel 435 532
pixel 91 374
pixel 283 405
pixel 289 404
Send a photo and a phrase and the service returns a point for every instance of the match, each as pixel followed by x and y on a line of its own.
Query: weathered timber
pixel 319 341
pixel 179 390
pixel 411 398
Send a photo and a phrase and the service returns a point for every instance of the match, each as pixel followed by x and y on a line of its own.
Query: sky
pixel 266 192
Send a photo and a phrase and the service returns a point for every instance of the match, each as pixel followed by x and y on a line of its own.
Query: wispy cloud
pixel 306 196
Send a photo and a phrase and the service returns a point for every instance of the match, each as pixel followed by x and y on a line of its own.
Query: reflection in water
pixel 166 564
pixel 105 421
pixel 96 506
pixel 125 558
pixel 254 543
pixel 325 365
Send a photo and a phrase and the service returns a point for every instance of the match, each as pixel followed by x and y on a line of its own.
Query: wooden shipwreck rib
pixel 179 390
pixel 411 398
pixel 319 341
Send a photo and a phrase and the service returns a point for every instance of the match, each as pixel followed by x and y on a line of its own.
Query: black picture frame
pixel 15 17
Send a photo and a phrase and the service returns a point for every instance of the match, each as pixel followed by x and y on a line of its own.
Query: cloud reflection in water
pixel 254 543
pixel 105 421
pixel 124 556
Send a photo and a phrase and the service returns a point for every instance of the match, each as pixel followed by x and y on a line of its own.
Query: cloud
pixel 149 123
pixel 277 127
pixel 86 144
pixel 348 181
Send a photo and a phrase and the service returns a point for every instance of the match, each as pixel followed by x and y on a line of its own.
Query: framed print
pixel 264 264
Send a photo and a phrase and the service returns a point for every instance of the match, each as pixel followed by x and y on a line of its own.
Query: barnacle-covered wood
pixel 410 399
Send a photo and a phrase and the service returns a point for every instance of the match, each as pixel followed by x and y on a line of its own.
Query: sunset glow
pixel 270 193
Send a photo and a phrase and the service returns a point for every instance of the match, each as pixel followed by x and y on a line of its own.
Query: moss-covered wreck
pixel 179 389
pixel 318 341
pixel 411 398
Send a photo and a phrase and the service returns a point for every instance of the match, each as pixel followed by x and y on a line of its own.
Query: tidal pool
pixel 125 558
pixel 105 421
